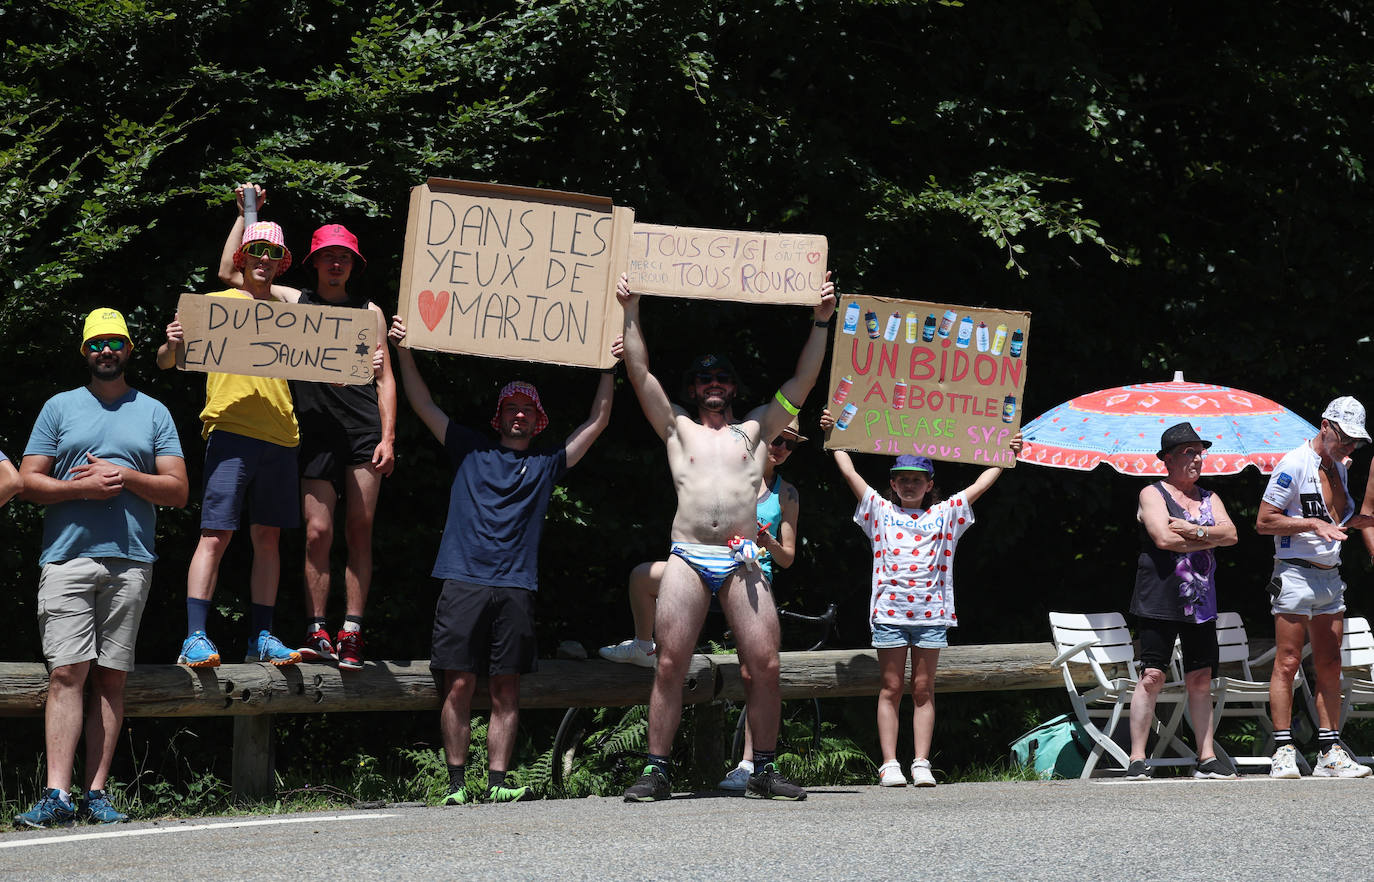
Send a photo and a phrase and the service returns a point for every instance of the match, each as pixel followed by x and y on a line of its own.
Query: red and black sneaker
pixel 350 645
pixel 317 647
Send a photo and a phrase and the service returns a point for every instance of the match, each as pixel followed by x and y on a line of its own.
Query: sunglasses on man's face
pixel 720 377
pixel 265 249
pixel 1343 439
pixel 116 345
pixel 783 441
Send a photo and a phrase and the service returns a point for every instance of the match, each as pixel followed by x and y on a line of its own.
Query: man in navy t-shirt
pixel 488 556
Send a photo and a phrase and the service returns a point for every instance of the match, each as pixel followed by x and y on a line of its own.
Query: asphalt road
pixel 1063 831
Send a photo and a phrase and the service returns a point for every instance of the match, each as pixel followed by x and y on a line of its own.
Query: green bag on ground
pixel 1057 748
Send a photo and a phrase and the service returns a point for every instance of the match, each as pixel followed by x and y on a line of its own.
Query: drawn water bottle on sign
pixel 851 318
pixel 871 322
pixel 898 395
pixel 965 333
pixel 981 336
pixel 842 390
pixel 894 327
pixel 999 340
pixel 1017 341
pixel 928 329
pixel 913 327
pixel 1008 408
pixel 947 323
pixel 846 415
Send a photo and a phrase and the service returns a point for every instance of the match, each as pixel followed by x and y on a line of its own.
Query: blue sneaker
pixel 269 649
pixel 198 652
pixel 95 808
pixel 50 811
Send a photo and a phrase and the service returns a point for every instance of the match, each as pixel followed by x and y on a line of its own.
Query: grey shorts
pixel 1306 591
pixel 89 609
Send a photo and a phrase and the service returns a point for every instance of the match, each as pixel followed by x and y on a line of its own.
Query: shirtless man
pixel 716 468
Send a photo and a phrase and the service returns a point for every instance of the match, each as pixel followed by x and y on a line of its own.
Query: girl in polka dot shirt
pixel 914 534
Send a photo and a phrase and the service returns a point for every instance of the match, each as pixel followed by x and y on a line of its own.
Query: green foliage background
pixel 1165 186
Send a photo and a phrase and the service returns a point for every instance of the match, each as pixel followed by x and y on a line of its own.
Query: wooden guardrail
pixel 253 692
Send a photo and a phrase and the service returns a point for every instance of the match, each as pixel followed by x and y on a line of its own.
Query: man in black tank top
pixel 347 446
pixel 347 438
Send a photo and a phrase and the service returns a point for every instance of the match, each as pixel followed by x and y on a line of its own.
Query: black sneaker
pixel 652 785
pixel 1214 768
pixel 1140 771
pixel 768 783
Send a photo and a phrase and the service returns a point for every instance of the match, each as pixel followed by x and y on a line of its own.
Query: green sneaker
pixel 506 794
pixel 457 797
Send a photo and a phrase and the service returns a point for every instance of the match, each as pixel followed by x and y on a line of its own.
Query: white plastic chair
pixel 1357 675
pixel 1097 639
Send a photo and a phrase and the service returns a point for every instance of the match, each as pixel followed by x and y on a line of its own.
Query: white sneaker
pixel 890 774
pixel 920 773
pixel 738 778
pixel 629 652
pixel 1336 763
pixel 1285 763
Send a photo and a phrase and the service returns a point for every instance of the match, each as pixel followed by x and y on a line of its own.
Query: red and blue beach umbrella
pixel 1121 427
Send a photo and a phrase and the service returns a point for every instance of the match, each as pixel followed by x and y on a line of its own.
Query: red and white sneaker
pixel 350 645
pixel 317 647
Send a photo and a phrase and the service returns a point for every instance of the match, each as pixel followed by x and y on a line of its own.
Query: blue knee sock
pixel 262 617
pixel 197 612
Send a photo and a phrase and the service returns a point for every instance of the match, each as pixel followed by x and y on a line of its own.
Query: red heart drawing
pixel 813 256
pixel 432 307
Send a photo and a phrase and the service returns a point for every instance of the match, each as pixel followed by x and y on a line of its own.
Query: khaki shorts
pixel 89 609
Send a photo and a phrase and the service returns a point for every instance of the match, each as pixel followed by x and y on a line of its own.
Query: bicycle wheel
pixel 602 747
pixel 566 744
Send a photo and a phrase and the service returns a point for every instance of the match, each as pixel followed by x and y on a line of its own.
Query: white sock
pixel 747 765
pixel 65 796
pixel 352 626
pixel 645 645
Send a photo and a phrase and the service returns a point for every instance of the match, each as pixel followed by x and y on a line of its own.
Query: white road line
pixel 186 828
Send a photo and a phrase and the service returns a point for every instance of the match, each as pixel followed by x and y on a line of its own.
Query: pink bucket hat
pixel 334 234
pixel 519 388
pixel 264 231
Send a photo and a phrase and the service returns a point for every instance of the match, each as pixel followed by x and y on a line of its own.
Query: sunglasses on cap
pixel 784 441
pixel 703 377
pixel 116 345
pixel 265 249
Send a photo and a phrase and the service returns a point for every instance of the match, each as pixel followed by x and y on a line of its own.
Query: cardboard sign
pixel 727 265
pixel 513 272
pixel 269 338
pixel 933 379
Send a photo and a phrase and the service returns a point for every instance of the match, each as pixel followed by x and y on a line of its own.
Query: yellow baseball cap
pixel 104 322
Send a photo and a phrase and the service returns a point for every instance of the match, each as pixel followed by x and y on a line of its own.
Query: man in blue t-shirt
pixel 101 458
pixel 488 555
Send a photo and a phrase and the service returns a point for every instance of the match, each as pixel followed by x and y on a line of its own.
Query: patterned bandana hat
pixel 264 231
pixel 520 388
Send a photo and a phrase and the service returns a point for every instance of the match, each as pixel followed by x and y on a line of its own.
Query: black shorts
pixel 1157 644
pixel 483 629
pixel 326 456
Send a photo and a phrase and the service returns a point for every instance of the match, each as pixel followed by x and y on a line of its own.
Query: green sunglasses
pixel 265 249
pixel 116 345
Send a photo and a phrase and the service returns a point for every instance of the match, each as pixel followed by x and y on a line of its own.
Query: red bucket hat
pixel 519 388
pixel 334 234
pixel 264 231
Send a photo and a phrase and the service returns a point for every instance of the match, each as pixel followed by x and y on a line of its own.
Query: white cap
pixel 1348 414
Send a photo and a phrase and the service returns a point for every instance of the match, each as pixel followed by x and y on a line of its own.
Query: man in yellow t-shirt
pixel 250 459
